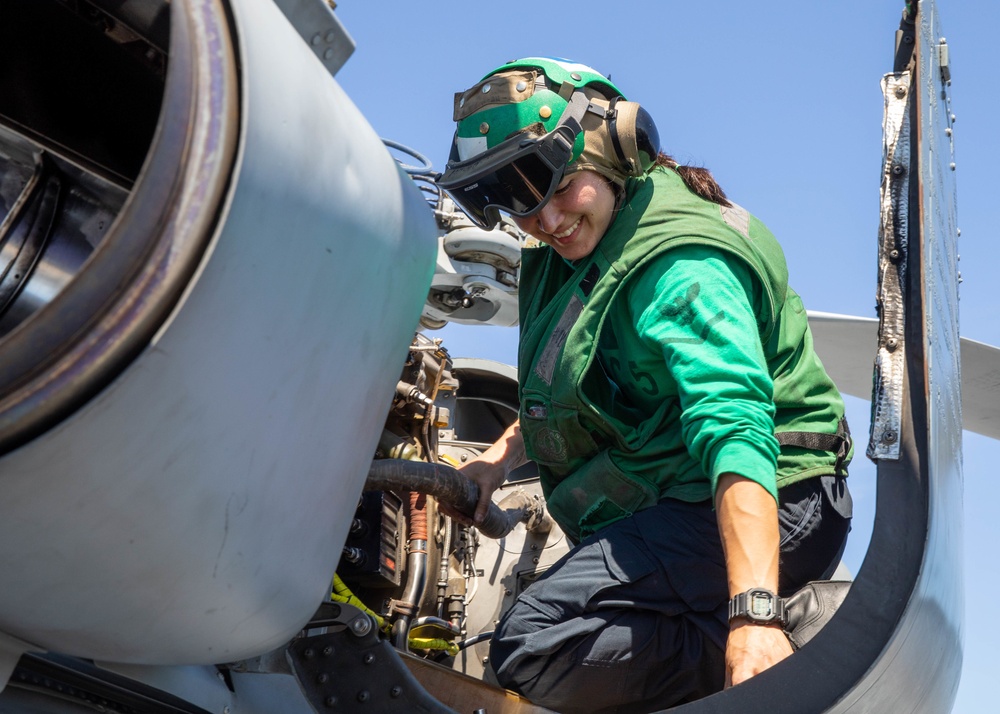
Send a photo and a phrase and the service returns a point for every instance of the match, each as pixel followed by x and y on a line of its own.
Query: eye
pixel 564 187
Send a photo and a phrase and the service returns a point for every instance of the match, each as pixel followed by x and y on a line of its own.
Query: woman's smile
pixel 576 217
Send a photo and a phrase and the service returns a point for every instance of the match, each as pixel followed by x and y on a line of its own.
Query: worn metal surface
pixel 887 399
pixel 468 694
pixel 351 669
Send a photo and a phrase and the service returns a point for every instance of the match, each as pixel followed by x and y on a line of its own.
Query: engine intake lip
pixel 73 346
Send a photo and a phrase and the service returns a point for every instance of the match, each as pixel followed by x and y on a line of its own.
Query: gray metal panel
pixel 193 512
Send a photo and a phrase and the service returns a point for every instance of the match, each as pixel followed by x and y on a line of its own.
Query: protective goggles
pixel 517 176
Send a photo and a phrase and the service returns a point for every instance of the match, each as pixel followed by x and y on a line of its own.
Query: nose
pixel 549 217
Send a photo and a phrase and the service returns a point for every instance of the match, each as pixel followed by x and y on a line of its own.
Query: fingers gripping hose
pixel 447 484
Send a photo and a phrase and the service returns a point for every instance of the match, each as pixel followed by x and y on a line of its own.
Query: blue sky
pixel 781 101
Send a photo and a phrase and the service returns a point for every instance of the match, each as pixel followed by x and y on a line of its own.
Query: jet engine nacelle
pixel 187 420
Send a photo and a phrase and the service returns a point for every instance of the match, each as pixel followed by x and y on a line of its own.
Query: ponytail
pixel 698 180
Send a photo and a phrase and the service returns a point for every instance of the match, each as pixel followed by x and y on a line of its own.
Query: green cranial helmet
pixel 519 95
pixel 530 122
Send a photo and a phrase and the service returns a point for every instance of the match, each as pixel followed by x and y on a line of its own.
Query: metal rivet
pixel 327 651
pixel 330 701
pixel 894 254
pixel 484 128
pixel 328 54
pixel 369 658
pixel 363 696
pixel 889 437
pixel 316 39
pixel 545 112
pixel 576 77
pixel 486 660
pixel 464 457
pixel 308 652
pixel 952 165
pixel 395 692
pixel 891 344
pixel 900 92
pixel 331 36
pixel 486 89
pixel 897 170
pixel 322 678
pixel 361 626
pixel 520 86
pixel 947 132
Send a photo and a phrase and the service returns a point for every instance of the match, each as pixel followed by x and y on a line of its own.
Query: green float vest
pixel 574 440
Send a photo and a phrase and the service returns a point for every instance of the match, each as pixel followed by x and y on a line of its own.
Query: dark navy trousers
pixel 634 619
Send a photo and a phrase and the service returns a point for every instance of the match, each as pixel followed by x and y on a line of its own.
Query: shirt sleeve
pixel 695 305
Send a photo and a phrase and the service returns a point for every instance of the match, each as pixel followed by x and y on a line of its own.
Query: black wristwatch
pixel 760 606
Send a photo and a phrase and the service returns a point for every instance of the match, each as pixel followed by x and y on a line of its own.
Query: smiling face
pixel 576 217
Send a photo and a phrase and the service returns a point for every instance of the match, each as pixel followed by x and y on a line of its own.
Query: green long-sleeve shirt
pixel 687 330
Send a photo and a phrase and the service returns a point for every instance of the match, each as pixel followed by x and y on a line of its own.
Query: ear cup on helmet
pixel 634 137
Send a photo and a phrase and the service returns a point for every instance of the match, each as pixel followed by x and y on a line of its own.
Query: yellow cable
pixel 427 643
pixel 342 593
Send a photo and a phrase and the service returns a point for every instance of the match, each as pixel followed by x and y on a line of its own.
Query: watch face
pixel 761 605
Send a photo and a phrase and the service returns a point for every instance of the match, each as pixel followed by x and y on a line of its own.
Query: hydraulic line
pixel 443 570
pixel 416 571
pixel 447 484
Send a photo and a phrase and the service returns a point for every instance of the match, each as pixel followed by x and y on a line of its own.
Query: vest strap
pixel 839 443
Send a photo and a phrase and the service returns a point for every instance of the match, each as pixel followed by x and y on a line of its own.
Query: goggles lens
pixel 518 177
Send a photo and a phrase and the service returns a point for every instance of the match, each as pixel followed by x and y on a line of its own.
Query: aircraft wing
pixel 846 344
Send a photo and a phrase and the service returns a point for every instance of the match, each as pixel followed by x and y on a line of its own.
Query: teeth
pixel 569 230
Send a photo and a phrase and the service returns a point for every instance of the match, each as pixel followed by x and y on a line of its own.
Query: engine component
pixel 335 670
pixel 477 272
pixel 170 441
pixel 447 484
pixel 377 539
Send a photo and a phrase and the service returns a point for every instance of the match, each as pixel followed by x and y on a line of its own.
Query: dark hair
pixel 698 180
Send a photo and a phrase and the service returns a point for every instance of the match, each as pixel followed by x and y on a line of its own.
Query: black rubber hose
pixel 447 484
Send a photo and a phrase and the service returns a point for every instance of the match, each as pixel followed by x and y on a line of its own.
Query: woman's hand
pixel 489 476
pixel 752 648
pixel 489 470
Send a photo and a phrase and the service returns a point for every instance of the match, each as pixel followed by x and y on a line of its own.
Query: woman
pixel 668 390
